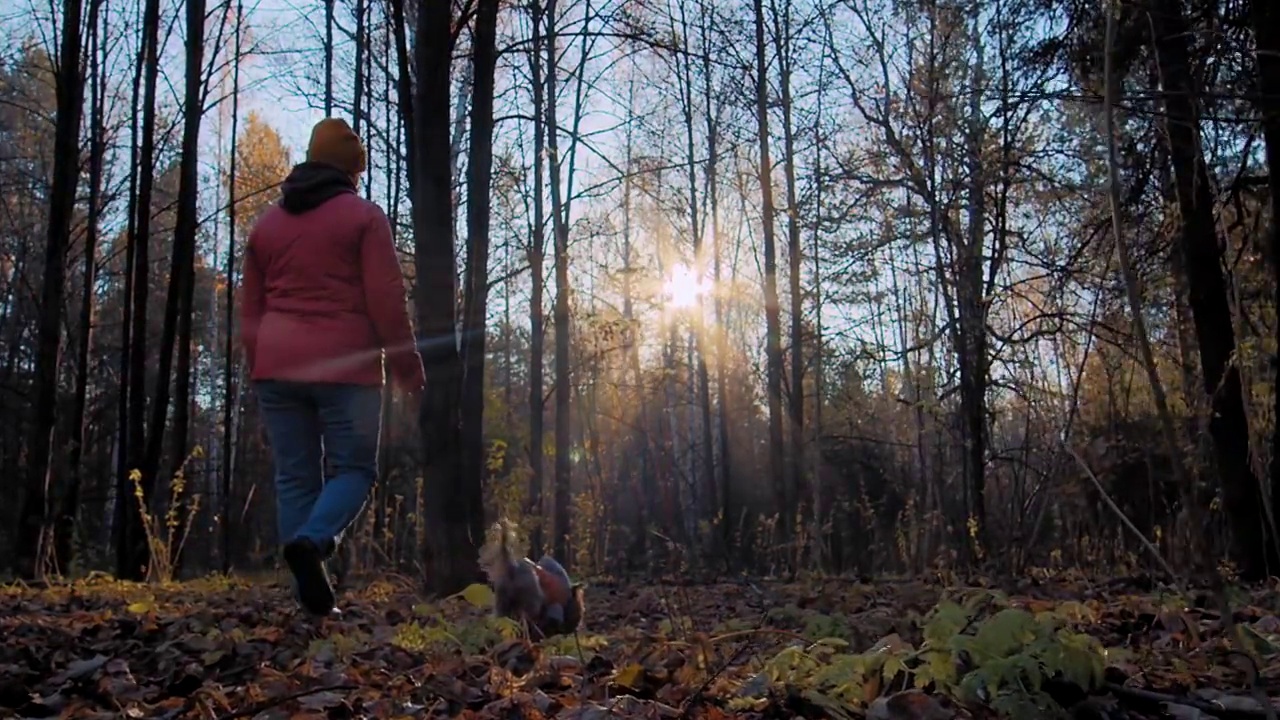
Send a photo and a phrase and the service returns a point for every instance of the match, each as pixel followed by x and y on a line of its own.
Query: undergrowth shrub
pixel 1002 661
pixel 166 534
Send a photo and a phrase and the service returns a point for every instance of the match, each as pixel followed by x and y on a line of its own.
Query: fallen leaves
pixel 219 650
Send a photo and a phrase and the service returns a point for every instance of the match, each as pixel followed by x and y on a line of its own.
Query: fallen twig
pixel 1154 698
pixel 274 702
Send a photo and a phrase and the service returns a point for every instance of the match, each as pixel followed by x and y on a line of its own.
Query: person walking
pixel 323 302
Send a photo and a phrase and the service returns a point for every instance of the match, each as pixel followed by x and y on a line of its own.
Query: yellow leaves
pixel 262 162
pixel 497 456
pixel 478 594
pixel 379 591
pixel 629 676
pixel 396 647
pixel 1076 612
pixel 938 669
pixel 142 607
pixel 415 637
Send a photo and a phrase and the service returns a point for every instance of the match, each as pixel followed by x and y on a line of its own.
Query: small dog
pixel 539 594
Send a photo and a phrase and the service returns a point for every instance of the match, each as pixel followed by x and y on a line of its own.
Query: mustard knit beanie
pixel 334 142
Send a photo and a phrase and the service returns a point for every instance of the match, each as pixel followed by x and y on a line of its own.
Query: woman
pixel 323 299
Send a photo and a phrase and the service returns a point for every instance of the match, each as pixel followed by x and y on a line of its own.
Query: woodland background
pixel 872 286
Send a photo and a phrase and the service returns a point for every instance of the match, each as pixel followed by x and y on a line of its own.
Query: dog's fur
pixel 523 590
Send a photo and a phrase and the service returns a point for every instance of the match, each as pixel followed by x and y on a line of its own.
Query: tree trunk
pixel 177 315
pixel 725 498
pixel 450 512
pixel 972 312
pixel 358 92
pixel 1112 99
pixel 560 521
pixel 479 179
pixel 773 325
pixel 1266 18
pixel 537 331
pixel 328 58
pixel 186 235
pixel 795 406
pixel 642 487
pixel 34 542
pixel 69 502
pixel 229 389
pixel 820 501
pixel 697 334
pixel 1210 305
pixel 131 545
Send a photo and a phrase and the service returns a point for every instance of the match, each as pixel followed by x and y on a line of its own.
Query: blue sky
pixel 291 30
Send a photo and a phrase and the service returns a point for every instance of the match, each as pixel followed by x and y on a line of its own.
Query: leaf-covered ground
pixel 223 649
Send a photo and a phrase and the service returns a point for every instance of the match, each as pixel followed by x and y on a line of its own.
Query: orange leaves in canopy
pixel 262 162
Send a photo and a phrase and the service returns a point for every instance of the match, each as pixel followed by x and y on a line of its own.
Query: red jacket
pixel 323 296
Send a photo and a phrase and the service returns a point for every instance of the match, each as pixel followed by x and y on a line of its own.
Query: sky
pixel 268 87
pixel 280 22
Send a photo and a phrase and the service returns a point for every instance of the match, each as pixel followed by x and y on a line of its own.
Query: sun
pixel 683 289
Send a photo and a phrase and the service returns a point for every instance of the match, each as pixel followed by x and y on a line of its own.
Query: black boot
pixel 306 562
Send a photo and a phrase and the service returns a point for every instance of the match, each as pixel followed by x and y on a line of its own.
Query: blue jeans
pixel 307 424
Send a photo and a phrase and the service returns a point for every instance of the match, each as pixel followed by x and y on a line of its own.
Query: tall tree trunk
pixel 119 511
pixel 560 315
pixel 358 92
pixel 69 502
pixel 451 530
pixel 712 116
pixel 972 311
pixel 177 314
pixel 391 174
pixel 479 180
pixel 1266 18
pixel 365 10
pixel 773 324
pixel 795 406
pixel 820 502
pixel 328 58
pixel 229 388
pixel 537 253
pixel 185 235
pixel 34 542
pixel 398 41
pixel 1112 99
pixel 697 223
pixel 1210 304
pixel 643 487
pixel 131 546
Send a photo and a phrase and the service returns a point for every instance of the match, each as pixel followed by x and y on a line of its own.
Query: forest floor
pixel 1054 647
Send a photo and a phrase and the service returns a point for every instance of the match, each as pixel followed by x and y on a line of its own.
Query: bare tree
pixel 230 390
pixel 785 55
pixel 69 503
pixel 484 57
pixel 1210 304
pixel 34 540
pixel 537 253
pixel 772 310
pixel 130 542
pixel 1265 17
